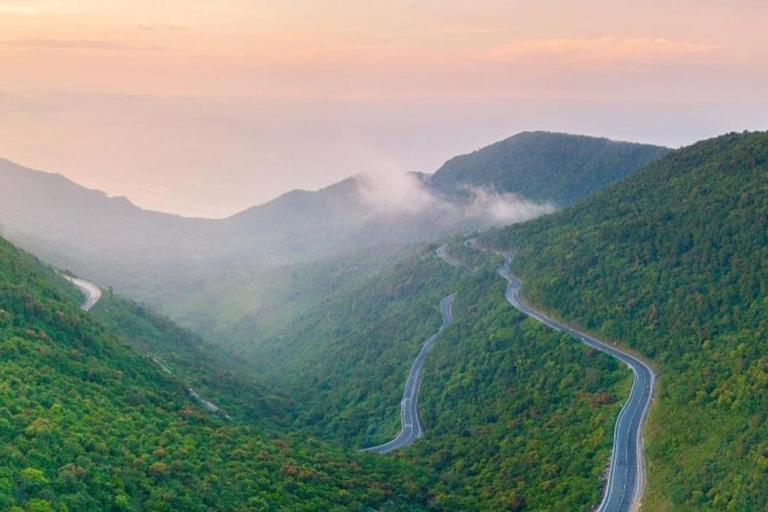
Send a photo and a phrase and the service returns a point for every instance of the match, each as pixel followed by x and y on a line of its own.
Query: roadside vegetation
pixel 87 423
pixel 519 416
pixel 673 262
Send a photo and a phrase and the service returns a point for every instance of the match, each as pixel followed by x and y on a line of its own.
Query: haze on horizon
pixel 206 108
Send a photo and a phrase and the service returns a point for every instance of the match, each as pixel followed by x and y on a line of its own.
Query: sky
pixel 207 107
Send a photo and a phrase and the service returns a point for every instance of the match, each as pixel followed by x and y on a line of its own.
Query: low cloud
pixel 599 49
pixel 395 193
pixel 76 44
pixel 25 10
pixel 503 208
pixel 157 28
pixel 408 194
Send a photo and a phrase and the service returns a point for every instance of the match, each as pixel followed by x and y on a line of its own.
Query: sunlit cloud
pixel 597 50
pixel 26 10
pixel 158 28
pixel 76 44
pixel 273 93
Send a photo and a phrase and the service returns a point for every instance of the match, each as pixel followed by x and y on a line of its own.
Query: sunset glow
pixel 146 98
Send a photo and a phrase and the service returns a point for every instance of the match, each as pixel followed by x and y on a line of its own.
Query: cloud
pixel 395 192
pixel 407 194
pixel 25 10
pixel 157 28
pixel 503 208
pixel 601 49
pixel 78 44
pixel 351 51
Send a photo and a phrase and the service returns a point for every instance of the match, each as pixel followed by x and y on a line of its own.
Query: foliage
pixel 673 262
pixel 241 307
pixel 542 166
pixel 345 363
pixel 86 423
pixel 518 416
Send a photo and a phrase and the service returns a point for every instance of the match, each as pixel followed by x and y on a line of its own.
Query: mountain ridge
pixel 674 261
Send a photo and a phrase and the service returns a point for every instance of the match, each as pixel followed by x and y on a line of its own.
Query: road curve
pixel 92 295
pixel 442 252
pixel 412 428
pixel 626 476
pixel 91 292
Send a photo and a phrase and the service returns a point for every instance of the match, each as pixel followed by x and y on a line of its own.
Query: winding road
pixel 626 476
pixel 91 292
pixel 442 252
pixel 412 429
pixel 92 295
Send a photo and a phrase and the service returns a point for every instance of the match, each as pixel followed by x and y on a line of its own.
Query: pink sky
pixel 206 107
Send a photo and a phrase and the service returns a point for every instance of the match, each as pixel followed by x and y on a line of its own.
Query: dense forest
pixel 346 361
pixel 543 166
pixel 241 308
pixel 517 416
pixel 87 423
pixel 673 262
pixel 91 421
pixel 96 410
pixel 520 416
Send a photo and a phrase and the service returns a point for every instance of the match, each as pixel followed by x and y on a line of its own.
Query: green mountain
pixel 673 262
pixel 543 166
pixel 238 281
pixel 309 363
pixel 97 414
pixel 143 253
pixel 517 416
pixel 89 423
pixel 345 361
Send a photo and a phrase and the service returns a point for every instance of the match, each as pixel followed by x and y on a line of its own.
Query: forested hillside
pixel 218 376
pixel 154 256
pixel 240 308
pixel 86 423
pixel 520 417
pixel 673 261
pixel 544 166
pixel 517 416
pixel 345 361
pixel 91 421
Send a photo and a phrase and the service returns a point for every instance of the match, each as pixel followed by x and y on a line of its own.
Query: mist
pixel 398 193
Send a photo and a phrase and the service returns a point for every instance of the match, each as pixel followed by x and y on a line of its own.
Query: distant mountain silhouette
pixel 118 243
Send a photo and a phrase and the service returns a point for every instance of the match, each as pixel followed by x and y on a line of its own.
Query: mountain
pixel 90 233
pixel 239 280
pixel 517 416
pixel 89 423
pixel 133 249
pixel 673 262
pixel 543 166
pixel 91 420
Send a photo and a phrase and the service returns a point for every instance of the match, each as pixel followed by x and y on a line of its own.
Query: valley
pixel 357 256
pixel 501 409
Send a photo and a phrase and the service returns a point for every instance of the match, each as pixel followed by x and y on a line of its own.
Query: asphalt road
pixel 412 428
pixel 626 477
pixel 91 292
pixel 92 295
pixel 442 252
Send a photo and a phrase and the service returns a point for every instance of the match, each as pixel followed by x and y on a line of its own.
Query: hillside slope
pixel 86 423
pixel 544 166
pixel 143 252
pixel 673 261
pixel 516 415
pixel 89 422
